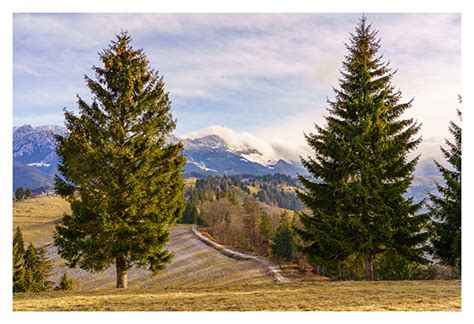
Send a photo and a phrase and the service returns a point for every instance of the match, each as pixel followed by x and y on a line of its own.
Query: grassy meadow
pixel 201 279
pixel 294 296
pixel 37 218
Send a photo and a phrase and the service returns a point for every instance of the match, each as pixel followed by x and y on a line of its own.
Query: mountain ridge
pixel 35 159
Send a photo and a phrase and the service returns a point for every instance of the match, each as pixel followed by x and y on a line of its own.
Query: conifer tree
pixel 283 244
pixel 20 193
pixel 445 208
pixel 360 170
pixel 65 283
pixel 251 208
pixel 190 213
pixel 28 193
pixel 18 239
pixel 18 261
pixel 122 178
pixel 32 261
pixel 265 228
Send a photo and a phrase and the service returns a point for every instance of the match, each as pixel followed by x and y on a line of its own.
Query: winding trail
pixel 196 263
pixel 272 269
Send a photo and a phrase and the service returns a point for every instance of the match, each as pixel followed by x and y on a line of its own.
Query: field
pixel 37 218
pixel 201 278
pixel 295 296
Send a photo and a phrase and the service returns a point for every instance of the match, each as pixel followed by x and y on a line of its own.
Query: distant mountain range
pixel 35 160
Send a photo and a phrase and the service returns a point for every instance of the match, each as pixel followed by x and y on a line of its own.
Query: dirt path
pixel 194 264
pixel 272 269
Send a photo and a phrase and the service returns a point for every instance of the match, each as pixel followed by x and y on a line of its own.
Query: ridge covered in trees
pixel 275 190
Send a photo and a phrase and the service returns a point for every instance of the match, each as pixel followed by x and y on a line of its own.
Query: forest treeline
pixel 277 190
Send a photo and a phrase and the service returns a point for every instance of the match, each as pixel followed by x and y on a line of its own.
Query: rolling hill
pixel 194 264
pixel 202 279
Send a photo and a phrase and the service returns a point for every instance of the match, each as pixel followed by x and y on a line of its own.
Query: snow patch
pixel 202 166
pixel 39 164
pixel 252 148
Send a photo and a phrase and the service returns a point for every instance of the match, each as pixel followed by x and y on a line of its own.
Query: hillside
pixel 200 278
pixel 194 263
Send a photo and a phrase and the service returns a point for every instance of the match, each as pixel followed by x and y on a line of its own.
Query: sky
pixel 251 77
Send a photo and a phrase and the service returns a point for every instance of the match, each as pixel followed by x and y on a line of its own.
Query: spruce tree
pixel 283 243
pixel 18 262
pixel 18 239
pixel 28 193
pixel 122 178
pixel 445 208
pixel 190 213
pixel 19 193
pixel 250 220
pixel 32 281
pixel 265 228
pixel 37 269
pixel 65 283
pixel 360 171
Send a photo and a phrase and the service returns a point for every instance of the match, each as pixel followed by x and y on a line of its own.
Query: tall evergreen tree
pixel 122 178
pixel 18 261
pixel 445 208
pixel 251 217
pixel 360 171
pixel 265 228
pixel 283 243
pixel 37 269
pixel 28 193
pixel 18 239
pixel 190 213
pixel 19 193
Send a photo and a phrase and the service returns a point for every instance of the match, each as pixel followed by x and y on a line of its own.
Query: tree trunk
pixel 369 268
pixel 121 273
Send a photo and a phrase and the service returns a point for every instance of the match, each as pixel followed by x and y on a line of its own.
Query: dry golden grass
pixel 186 284
pixel 295 296
pixel 37 218
pixel 288 188
pixel 253 190
pixel 194 263
pixel 190 182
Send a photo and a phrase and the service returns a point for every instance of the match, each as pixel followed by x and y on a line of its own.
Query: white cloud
pixel 275 68
pixel 269 151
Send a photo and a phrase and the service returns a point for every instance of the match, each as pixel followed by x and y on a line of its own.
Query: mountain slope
pixel 194 262
pixel 29 177
pixel 35 157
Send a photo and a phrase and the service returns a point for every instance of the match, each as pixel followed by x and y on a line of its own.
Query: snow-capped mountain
pixel 35 159
pixel 212 155
pixel 34 146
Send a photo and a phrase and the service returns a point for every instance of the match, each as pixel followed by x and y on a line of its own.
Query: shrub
pixel 65 283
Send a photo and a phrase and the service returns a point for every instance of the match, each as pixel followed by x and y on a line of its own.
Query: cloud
pixel 268 151
pixel 266 74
